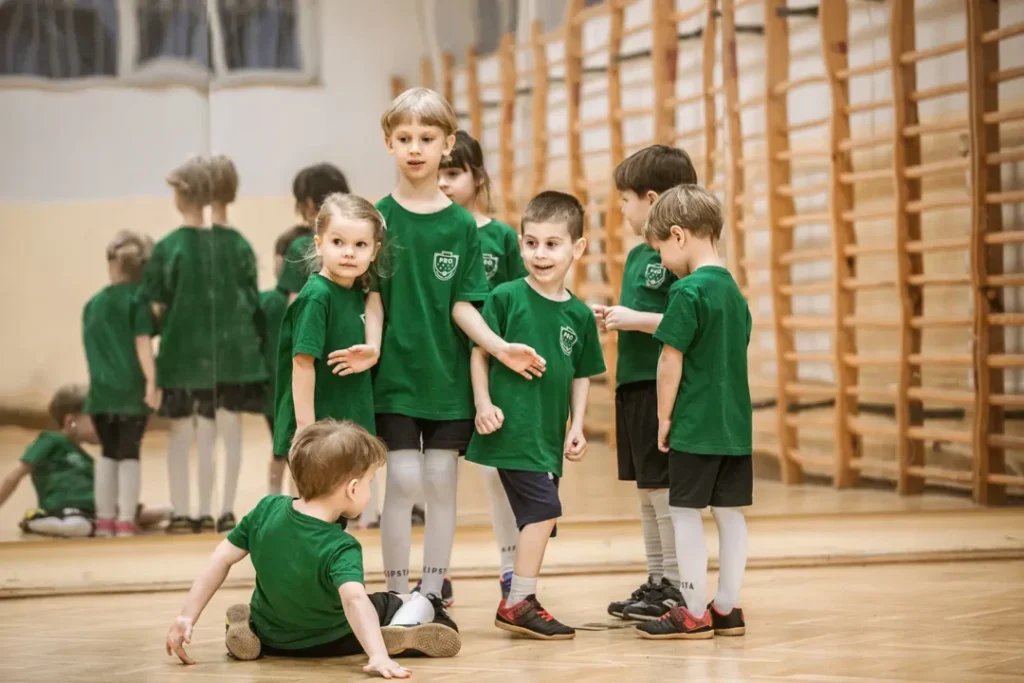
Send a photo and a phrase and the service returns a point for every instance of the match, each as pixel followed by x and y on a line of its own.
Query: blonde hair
pixel 422 105
pixel 690 207
pixel 354 208
pixel 130 251
pixel 193 181
pixel 328 453
pixel 224 177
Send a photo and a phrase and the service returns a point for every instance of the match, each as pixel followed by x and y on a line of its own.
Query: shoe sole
pixel 432 640
pixel 512 628
pixel 737 631
pixel 240 640
pixel 700 635
pixel 640 617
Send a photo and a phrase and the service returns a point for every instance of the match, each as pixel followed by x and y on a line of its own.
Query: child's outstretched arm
pixel 518 357
pixel 362 357
pixel 489 417
pixel 11 480
pixel 303 388
pixel 575 442
pixel 206 584
pixel 144 350
pixel 670 372
pixel 362 617
pixel 622 318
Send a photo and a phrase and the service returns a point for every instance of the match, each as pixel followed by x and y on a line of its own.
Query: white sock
pixel 522 588
pixel 206 434
pixel 440 482
pixel 372 512
pixel 229 425
pixel 693 559
pixel 732 556
pixel 128 484
pixel 667 534
pixel 506 533
pixel 105 488
pixel 74 526
pixel 416 610
pixel 179 444
pixel 405 479
pixel 652 541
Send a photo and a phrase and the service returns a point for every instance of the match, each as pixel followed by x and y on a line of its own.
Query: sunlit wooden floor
pixel 912 622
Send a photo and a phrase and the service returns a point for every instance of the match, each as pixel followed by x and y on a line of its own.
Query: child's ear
pixel 387 143
pixel 677 232
pixel 650 196
pixel 317 241
pixel 449 143
pixel 579 248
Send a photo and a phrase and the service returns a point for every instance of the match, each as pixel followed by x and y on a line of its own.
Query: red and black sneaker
pixel 678 624
pixel 528 618
pixel 730 624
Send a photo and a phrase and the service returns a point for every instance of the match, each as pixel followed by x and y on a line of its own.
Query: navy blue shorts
pixel 532 495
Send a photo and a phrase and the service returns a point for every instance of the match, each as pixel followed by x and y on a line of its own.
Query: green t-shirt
pixel 273 303
pixel 708 320
pixel 435 261
pixel 297 266
pixel 212 329
pixel 325 317
pixel 61 473
pixel 645 286
pixel 536 411
pixel 300 563
pixel 110 322
pixel 502 260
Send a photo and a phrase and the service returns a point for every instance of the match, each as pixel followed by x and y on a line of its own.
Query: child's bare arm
pixel 144 350
pixel 206 584
pixel 362 617
pixel 303 388
pixel 575 441
pixel 670 373
pixel 622 318
pixel 374 320
pixel 518 357
pixel 489 417
pixel 11 480
pixel 362 357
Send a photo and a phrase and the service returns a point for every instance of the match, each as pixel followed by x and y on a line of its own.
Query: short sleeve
pixel 516 269
pixel 296 268
pixel 347 565
pixel 36 452
pixel 309 328
pixel 495 312
pixel 473 283
pixel 239 536
pixel 155 288
pixel 679 325
pixel 591 360
pixel 142 319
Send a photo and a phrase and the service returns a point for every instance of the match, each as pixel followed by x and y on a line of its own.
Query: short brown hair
pixel 328 453
pixel 192 179
pixel 655 169
pixel 690 207
pixel 225 179
pixel 551 206
pixel 285 239
pixel 130 251
pixel 422 105
pixel 68 400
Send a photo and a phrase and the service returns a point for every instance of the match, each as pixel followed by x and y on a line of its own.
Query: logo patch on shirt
pixel 362 316
pixel 491 265
pixel 567 339
pixel 445 263
pixel 654 276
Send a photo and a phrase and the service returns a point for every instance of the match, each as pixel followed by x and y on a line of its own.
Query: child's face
pixel 418 149
pixel 549 251
pixel 460 186
pixel 80 428
pixel 674 250
pixel 635 208
pixel 347 248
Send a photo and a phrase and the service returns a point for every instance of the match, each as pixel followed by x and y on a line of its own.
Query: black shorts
pixel 697 481
pixel 404 433
pixel 235 398
pixel 636 436
pixel 533 496
pixel 386 604
pixel 120 435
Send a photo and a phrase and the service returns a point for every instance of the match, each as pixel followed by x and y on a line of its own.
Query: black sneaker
pixel 180 524
pixel 419 516
pixel 447 594
pixel 240 639
pixel 730 624
pixel 204 523
pixel 528 618
pixel 656 604
pixel 616 608
pixel 226 522
pixel 677 624
pixel 441 615
pixel 422 640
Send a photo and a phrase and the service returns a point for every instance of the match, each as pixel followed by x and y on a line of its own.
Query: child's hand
pixel 618 317
pixel 353 360
pixel 386 667
pixel 523 359
pixel 664 426
pixel 575 445
pixel 153 396
pixel 180 633
pixel 489 418
pixel 599 313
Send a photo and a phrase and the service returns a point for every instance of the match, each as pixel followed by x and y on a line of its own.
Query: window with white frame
pixel 159 42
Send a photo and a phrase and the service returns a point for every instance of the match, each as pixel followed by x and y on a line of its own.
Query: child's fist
pixel 489 419
pixel 575 445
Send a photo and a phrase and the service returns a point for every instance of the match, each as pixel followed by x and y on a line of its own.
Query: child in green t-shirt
pixel 645 285
pixel 309 599
pixel 422 391
pixel 62 474
pixel 111 320
pixel 466 182
pixel 704 412
pixel 521 422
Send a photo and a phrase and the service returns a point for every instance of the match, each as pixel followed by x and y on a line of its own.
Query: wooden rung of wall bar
pixel 806 323
pixel 1003 33
pixel 868 214
pixel 945 244
pixel 1006 75
pixel 864 70
pixel 914 56
pixel 936 127
pixel 865 176
pixel 803 190
pixel 1004 197
pixel 936 167
pixel 803 255
pixel 936 473
pixel 938 91
pixel 861 107
pixel 943 396
pixel 807 288
pixel 859 284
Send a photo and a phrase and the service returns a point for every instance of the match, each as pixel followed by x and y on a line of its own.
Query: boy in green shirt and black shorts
pixel 521 422
pixel 645 286
pixel 704 412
